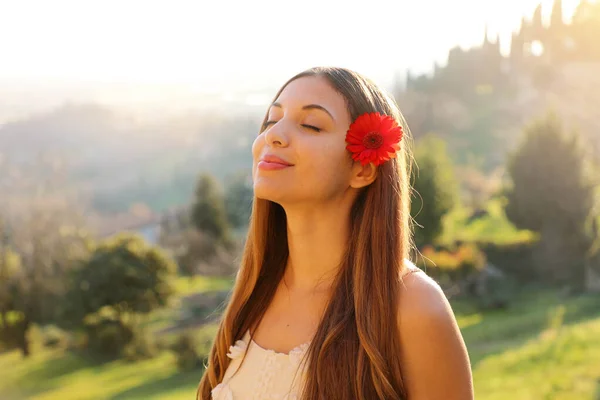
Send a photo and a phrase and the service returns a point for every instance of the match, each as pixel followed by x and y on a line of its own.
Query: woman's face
pixel 301 156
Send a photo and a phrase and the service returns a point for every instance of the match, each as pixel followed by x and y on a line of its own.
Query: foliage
pixel 186 353
pixel 490 225
pixel 514 259
pixel 453 264
pixel 239 195
pixel 520 353
pixel 477 187
pixel 125 274
pixel 14 331
pixel 435 188
pixel 202 254
pixel 123 278
pixel 54 337
pixel 549 178
pixel 106 337
pixel 41 241
pixel 208 210
pixel 552 192
pixel 194 251
pixel 142 346
pixel 9 268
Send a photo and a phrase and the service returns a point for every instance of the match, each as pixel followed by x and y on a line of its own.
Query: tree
pixel 42 227
pixel 238 200
pixel 435 188
pixel 37 283
pixel 9 268
pixel 126 275
pixel 208 210
pixel 478 187
pixel 552 193
pixel 195 252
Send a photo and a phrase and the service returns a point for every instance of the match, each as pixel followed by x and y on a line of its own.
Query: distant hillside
pixel 118 161
pixel 480 100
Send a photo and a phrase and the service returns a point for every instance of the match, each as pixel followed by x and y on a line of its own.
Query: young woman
pixel 326 304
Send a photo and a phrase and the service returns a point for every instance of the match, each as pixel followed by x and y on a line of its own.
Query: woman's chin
pixel 269 191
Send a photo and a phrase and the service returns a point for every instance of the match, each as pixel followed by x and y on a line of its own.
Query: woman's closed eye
pixel 268 124
pixel 311 127
pixel 314 128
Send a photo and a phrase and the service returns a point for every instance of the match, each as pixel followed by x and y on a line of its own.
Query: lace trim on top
pixel 270 367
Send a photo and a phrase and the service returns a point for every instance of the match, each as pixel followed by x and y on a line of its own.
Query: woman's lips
pixel 271 165
pixel 271 162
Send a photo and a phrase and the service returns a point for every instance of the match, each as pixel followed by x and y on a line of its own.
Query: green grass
pixel 542 347
pixel 52 374
pixel 558 364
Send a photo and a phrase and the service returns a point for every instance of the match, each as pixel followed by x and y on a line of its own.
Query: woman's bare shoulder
pixel 409 268
pixel 421 296
pixel 430 337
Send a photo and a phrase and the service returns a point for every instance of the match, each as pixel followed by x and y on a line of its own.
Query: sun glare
pixel 201 43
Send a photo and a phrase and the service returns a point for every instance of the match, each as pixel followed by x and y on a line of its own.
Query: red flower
pixel 373 138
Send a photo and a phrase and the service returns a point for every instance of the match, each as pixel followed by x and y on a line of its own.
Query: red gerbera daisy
pixel 373 138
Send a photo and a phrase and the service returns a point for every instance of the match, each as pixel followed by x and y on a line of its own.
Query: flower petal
pixel 369 124
pixel 355 147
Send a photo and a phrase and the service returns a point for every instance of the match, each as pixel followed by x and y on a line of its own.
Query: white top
pixel 263 375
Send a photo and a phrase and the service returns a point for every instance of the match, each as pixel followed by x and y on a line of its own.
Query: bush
pixel 7 338
pixel 491 289
pixel 202 306
pixel 465 270
pixel 14 333
pixel 552 191
pixel 186 352
pixel 435 189
pixel 497 292
pixel 107 338
pixel 54 337
pixel 514 259
pixel 453 265
pixel 142 347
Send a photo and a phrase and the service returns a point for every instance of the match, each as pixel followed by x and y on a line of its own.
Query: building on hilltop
pixel 534 45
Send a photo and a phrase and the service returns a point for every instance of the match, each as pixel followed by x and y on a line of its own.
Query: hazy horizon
pixel 178 55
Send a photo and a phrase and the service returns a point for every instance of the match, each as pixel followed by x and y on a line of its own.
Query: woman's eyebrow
pixel 308 107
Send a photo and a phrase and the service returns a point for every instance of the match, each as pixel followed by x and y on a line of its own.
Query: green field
pixel 543 347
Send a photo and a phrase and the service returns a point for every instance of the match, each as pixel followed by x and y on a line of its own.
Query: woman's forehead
pixel 312 90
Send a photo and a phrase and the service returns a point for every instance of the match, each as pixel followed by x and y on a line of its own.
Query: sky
pixel 229 45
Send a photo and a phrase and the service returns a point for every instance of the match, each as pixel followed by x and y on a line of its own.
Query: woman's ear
pixel 362 175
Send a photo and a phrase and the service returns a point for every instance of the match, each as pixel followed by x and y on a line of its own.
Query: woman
pixel 326 304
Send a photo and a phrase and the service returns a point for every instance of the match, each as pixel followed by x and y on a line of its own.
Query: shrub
pixel 514 259
pixel 450 266
pixel 186 353
pixel 54 337
pixel 107 338
pixel 142 347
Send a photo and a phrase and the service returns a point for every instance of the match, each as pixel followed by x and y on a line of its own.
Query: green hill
pixel 545 346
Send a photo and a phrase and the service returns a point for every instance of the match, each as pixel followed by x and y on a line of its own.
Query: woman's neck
pixel 317 240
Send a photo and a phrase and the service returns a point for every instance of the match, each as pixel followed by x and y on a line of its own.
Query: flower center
pixel 372 140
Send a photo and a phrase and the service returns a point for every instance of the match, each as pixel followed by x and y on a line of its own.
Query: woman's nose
pixel 276 135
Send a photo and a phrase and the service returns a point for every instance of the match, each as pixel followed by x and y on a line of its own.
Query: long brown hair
pixel 355 351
